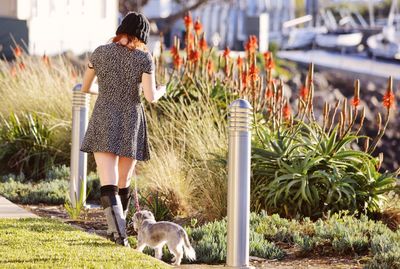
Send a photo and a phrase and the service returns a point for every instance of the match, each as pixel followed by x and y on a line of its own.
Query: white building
pixel 55 26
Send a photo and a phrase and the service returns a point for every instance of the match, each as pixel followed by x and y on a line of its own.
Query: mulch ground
pixel 94 222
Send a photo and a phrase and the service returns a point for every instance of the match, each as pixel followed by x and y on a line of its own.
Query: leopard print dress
pixel 118 123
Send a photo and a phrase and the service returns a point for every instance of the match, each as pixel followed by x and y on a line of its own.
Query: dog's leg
pixel 158 252
pixel 140 247
pixel 177 251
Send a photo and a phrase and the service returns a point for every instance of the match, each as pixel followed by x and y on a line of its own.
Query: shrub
pixel 48 192
pixel 386 251
pixel 304 168
pixel 26 144
pixel 209 242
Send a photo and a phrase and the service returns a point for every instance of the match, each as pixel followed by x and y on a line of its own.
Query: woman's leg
pixel 126 166
pixel 107 167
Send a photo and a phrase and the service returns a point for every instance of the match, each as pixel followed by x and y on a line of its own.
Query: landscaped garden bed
pixel 318 189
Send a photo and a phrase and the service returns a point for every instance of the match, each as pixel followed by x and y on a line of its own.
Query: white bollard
pixel 80 112
pixel 238 240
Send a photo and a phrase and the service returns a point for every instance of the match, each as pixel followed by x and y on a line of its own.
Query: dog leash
pixel 136 198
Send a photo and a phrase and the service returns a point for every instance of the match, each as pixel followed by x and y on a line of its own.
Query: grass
pixel 46 243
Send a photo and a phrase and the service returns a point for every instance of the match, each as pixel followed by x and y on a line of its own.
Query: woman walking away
pixel 117 130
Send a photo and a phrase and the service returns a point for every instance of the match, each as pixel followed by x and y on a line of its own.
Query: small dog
pixel 157 234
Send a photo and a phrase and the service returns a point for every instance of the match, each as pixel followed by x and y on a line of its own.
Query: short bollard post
pixel 80 112
pixel 238 240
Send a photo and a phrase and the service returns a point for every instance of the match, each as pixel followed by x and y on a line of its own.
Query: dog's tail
pixel 190 254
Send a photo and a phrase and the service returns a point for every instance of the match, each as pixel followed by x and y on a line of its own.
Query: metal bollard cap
pixel 240 103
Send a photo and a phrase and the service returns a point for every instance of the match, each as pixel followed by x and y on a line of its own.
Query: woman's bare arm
pixel 88 78
pixel 151 92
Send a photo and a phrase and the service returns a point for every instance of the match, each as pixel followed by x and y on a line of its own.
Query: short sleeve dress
pixel 118 123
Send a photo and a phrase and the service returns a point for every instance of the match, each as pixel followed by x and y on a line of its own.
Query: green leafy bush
pixel 48 192
pixel 53 190
pixel 26 145
pixel 386 251
pixel 209 241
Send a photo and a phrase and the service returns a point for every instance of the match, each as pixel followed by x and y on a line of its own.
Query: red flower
pixel 174 50
pixel 203 44
pixel 189 39
pixel 253 72
pixel 188 21
pixel 194 55
pixel 21 66
pixel 198 28
pixel 17 51
pixel 226 52
pixel 177 61
pixel 303 93
pixel 13 71
pixel 286 111
pixel 252 44
pixel 239 62
pixel 355 101
pixel 210 67
pixel 46 59
pixel 388 99
pixel 269 93
pixel 244 78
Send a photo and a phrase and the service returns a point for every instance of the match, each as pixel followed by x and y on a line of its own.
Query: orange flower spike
pixel 244 78
pixel 21 66
pixel 388 98
pixel 203 44
pixel 174 50
pixel 303 93
pixel 286 111
pixel 226 52
pixel 46 59
pixel 253 72
pixel 210 67
pixel 198 28
pixel 13 71
pixel 18 51
pixel 188 21
pixel 239 62
pixel 194 55
pixel 356 99
pixel 177 61
pixel 269 93
pixel 270 63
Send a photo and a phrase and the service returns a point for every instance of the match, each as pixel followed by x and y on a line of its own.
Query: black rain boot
pixel 125 195
pixel 112 206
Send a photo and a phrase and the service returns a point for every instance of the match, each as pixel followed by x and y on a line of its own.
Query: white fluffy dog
pixel 157 234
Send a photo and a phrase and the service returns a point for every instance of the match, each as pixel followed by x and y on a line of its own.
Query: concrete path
pixel 12 211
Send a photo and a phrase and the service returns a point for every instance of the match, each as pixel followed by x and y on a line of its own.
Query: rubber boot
pixel 125 195
pixel 111 203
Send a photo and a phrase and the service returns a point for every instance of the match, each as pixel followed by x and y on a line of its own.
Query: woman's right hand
pixel 162 89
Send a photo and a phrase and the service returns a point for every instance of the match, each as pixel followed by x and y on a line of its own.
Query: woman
pixel 117 132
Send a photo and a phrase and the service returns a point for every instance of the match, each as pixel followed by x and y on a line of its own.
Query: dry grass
pixel 185 141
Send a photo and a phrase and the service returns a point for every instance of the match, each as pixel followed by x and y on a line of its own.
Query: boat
pixel 340 39
pixel 387 43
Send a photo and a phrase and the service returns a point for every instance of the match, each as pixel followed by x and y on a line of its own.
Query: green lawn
pixel 46 243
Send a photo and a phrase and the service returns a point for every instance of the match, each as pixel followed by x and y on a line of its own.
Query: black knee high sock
pixel 109 191
pixel 125 195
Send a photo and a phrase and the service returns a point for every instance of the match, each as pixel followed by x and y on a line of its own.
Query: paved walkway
pixel 12 211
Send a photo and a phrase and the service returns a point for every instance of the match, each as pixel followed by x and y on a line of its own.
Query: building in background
pixel 55 26
pixel 229 23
